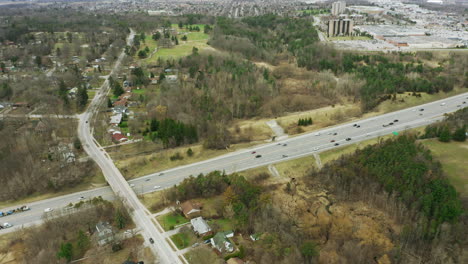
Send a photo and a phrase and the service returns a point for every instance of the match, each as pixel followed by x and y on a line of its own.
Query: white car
pixel 442 104
pixel 48 210
pixel 81 198
pixel 132 185
pixel 316 148
pixel 317 134
pixel 157 187
pixel 368 135
pixel 7 225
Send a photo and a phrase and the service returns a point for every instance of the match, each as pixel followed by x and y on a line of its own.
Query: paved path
pixel 277 130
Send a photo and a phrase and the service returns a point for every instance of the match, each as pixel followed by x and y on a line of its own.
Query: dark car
pixel 358 126
pixel 151 240
pixel 422 109
pixel 86 121
pixel 253 152
pixel 463 102
pixel 258 156
pixel 284 145
pixel 391 123
pixel 385 125
pixel 396 120
pixel 335 134
pixel 332 140
pixel 337 144
pixel 285 156
pixel 348 139
pixel 355 125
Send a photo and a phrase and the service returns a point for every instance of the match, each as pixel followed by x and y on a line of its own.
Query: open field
pixel 171 220
pixel 145 164
pixel 202 255
pixel 454 159
pixel 296 167
pixel 194 39
pixel 183 240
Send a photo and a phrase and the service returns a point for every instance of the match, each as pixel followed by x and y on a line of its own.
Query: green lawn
pixel 139 91
pixel 224 224
pixel 454 159
pixel 183 240
pixel 171 220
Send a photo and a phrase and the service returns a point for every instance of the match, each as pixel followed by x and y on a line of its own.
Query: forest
pixel 400 176
pixel 452 127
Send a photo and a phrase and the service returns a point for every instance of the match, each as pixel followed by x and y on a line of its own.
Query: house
pixel 117 137
pixel 221 242
pixel 190 210
pixel 121 102
pixel 120 109
pixel 105 233
pixel 200 226
pixel 235 261
pixel 171 78
pixel 116 119
pixel 72 92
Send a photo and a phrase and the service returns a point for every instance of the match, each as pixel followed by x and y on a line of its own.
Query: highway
pixel 296 147
pixel 274 152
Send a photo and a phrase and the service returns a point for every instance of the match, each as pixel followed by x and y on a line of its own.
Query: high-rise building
pixel 340 27
pixel 338 8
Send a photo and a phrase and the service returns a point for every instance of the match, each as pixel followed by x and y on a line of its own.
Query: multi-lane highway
pixel 291 148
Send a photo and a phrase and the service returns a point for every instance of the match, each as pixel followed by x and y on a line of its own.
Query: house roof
pixel 119 137
pixel 220 241
pixel 200 226
pixel 101 226
pixel 188 207
pixel 116 119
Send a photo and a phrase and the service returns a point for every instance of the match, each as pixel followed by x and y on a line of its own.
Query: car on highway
pixel 284 156
pixel 157 187
pixel 253 152
pixel 316 148
pixel 396 120
pixel 332 140
pixel 317 134
pixel 81 198
pixel 148 179
pixel 348 139
pixel 151 240
pixel 385 125
pixel 422 109
pixel 358 126
pixel 391 123
pixel 161 174
pixel 284 145
pixel 48 210
pixel 368 134
pixel 335 134
pixel 7 225
pixel 442 104
pixel 337 144
pixel 463 102
pixel 355 125
pixel 132 185
pixel 258 156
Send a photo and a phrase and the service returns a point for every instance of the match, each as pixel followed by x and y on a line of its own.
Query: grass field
pixel 223 224
pixel 171 220
pixel 202 255
pixel 183 240
pixel 296 167
pixel 194 39
pixel 454 159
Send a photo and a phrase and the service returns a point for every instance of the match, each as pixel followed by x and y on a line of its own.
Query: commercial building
pixel 338 8
pixel 340 27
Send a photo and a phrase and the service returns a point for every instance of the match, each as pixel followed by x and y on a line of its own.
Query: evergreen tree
pixel 109 103
pixel 83 242
pixel 156 36
pixel 445 135
pixel 460 134
pixel 65 251
pixel 118 90
pixel 120 219
pixel 82 97
pixel 63 91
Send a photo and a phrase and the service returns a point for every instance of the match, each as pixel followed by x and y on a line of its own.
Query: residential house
pixel 120 109
pixel 190 210
pixel 116 119
pixel 121 102
pixel 235 261
pixel 200 226
pixel 105 233
pixel 117 137
pixel 72 92
pixel 221 242
pixel 171 78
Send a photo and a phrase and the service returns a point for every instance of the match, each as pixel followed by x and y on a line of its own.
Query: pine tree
pixel 82 97
pixel 445 135
pixel 65 251
pixel 460 134
pixel 118 90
